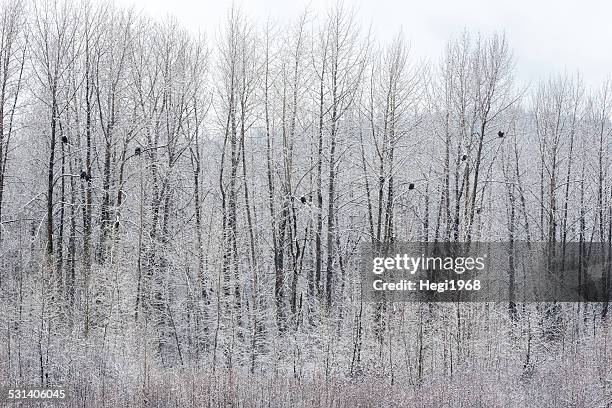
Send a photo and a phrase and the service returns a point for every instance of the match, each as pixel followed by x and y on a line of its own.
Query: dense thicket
pixel 181 216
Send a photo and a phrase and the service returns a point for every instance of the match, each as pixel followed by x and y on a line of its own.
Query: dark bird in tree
pixel 137 151
pixel 411 186
pixel 83 175
pixel 64 139
pixel 478 210
pixel 500 134
pixel 464 157
pixel 303 199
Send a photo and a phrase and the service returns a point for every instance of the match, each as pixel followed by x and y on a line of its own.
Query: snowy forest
pixel 181 214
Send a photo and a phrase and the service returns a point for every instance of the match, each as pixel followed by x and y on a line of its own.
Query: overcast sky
pixel 547 37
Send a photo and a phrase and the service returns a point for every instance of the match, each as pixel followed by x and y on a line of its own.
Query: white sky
pixel 547 36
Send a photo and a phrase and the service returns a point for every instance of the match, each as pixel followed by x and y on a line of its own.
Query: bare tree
pixel 13 46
